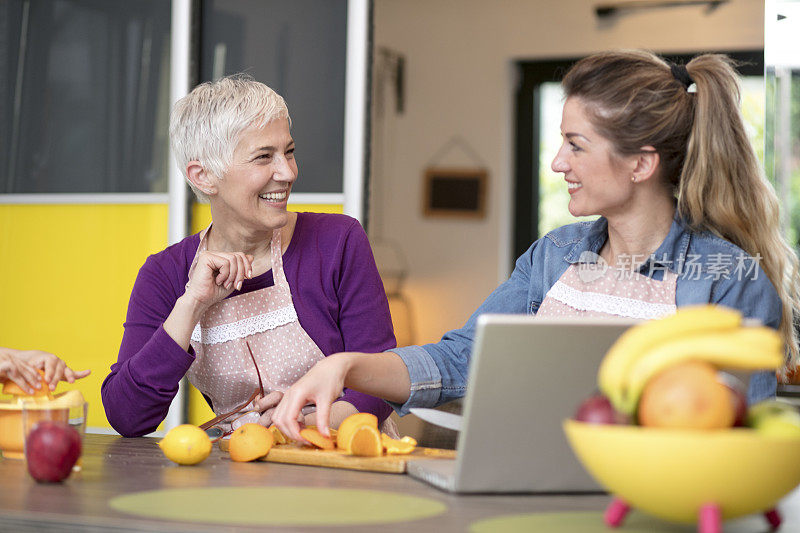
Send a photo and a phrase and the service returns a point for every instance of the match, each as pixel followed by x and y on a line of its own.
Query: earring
pixel 633 179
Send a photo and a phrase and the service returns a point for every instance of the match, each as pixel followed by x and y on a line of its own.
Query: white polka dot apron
pixel 265 319
pixel 597 290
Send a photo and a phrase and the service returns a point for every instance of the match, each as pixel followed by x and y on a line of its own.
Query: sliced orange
pixel 397 447
pixel 9 387
pixel 249 442
pixel 333 432
pixel 366 442
pixel 349 426
pixel 317 439
pixel 277 436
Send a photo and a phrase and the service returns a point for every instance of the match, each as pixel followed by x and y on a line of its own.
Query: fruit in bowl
pixel 597 409
pixel 687 395
pixel 774 418
pixel 687 462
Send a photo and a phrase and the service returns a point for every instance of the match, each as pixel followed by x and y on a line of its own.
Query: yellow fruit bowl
pixel 677 475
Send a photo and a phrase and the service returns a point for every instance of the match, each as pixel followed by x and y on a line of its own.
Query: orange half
pixel 249 442
pixel 349 426
pixel 366 442
pixel 9 387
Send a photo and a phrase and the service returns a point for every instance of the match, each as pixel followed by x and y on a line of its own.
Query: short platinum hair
pixel 206 124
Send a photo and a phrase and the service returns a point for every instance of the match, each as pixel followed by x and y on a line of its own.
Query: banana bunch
pixel 710 333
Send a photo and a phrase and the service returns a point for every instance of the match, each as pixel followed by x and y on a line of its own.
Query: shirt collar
pixel 589 244
pixel 670 253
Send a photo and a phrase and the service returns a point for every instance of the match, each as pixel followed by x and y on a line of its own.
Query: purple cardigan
pixel 335 287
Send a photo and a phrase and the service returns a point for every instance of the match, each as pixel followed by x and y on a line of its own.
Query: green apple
pixel 767 409
pixel 774 418
pixel 786 424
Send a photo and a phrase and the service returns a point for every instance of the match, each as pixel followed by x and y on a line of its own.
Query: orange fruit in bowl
pixel 249 442
pixel 687 395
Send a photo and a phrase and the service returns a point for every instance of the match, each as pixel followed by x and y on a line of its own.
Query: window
pixel 84 103
pixel 783 109
pixel 298 48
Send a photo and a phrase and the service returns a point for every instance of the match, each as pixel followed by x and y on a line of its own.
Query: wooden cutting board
pixel 303 455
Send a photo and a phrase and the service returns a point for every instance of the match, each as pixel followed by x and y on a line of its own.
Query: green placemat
pixel 592 522
pixel 278 506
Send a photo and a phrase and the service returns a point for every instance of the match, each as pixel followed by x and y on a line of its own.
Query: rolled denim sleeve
pixel 439 371
pixel 426 380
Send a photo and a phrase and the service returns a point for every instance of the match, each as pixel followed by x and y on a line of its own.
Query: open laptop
pixel 526 376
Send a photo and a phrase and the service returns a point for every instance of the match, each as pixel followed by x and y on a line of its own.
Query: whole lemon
pixel 186 444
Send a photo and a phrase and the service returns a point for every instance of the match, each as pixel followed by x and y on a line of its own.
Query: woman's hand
pixel 14 369
pixel 339 411
pixel 321 386
pixel 266 406
pixel 216 275
pixel 55 369
pixel 24 362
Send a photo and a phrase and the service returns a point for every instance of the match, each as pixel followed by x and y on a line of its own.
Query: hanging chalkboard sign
pixel 455 192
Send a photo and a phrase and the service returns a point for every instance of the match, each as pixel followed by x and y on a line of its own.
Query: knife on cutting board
pixel 438 418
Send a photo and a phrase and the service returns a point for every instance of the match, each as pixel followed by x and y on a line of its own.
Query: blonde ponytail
pixel 722 188
pixel 636 99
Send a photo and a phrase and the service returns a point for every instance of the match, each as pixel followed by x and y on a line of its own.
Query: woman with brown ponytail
pixel 659 151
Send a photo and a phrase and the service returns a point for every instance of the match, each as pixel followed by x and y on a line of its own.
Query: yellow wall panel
pixel 65 279
pixel 199 411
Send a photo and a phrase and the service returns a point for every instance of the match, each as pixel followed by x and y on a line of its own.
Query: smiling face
pixel 599 182
pixel 255 190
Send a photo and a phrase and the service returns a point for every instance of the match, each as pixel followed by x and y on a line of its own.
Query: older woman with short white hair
pixel 245 307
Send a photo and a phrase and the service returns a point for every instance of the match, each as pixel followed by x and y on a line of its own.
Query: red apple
pixel 51 450
pixel 597 409
pixel 738 392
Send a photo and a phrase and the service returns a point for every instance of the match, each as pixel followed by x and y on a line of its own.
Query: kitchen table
pixel 115 466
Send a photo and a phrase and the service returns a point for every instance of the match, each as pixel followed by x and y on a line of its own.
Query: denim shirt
pixel 709 269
